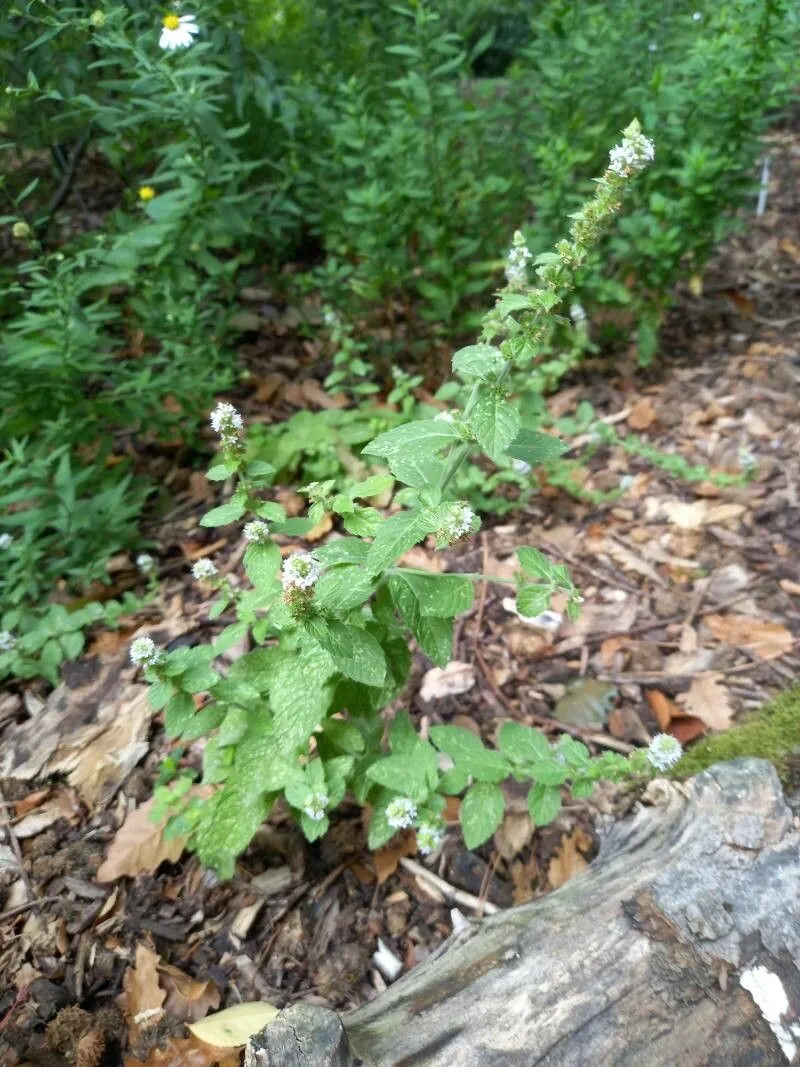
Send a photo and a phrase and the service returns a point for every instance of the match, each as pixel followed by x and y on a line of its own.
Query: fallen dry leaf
pixel 142 998
pixel 661 706
pixel 139 845
pixel 567 860
pixel 642 415
pixel 449 681
pixel 513 835
pixel 768 640
pixel 699 513
pixel 188 999
pixel 707 699
pixel 687 728
pixel 790 587
pixel 386 860
pixel 187 1052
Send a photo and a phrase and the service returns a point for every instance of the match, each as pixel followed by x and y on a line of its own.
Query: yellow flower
pixel 171 22
pixel 146 192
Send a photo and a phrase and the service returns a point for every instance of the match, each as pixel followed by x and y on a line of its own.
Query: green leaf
pixel 363 522
pixel 549 772
pixel 199 679
pixel 224 514
pixel 478 361
pixel 403 737
pixel 313 828
pixel 354 651
pixel 401 774
pixel 228 637
pixel 270 511
pixel 341 589
pixel 397 534
pixel 522 744
pixel 434 636
pixel 300 694
pixel 440 596
pixel 370 487
pixel 72 644
pixel 262 563
pixel 220 471
pixel 428 435
pixel 532 600
pixel 535 447
pixel 544 803
pixel 343 550
pixel 233 727
pixel 468 752
pixel 179 713
pixel 481 813
pixel 227 824
pixel 534 563
pixel 494 422
pixel 158 695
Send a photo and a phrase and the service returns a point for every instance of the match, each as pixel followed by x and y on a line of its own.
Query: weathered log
pixel 679 946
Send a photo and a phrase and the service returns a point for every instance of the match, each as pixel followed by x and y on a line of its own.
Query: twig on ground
pixel 13 840
pixel 449 892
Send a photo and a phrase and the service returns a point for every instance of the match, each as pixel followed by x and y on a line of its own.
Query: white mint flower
pixel 400 813
pixel 697 16
pixel 256 532
pixel 458 522
pixel 517 262
pixel 664 751
pixel 315 806
pixel 6 540
pixel 652 47
pixel 203 570
pixel 577 313
pixel 144 652
pixel 145 562
pixel 7 641
pixel 429 836
pixel 633 153
pixel 301 570
pixel 177 31
pixel 519 466
pixel 227 422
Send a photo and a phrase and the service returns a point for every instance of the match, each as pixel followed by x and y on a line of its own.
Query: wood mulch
pixel 691 617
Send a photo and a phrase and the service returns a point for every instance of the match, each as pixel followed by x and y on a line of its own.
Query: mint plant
pixel 299 716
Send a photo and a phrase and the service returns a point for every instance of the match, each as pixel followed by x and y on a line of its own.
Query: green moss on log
pixel 772 733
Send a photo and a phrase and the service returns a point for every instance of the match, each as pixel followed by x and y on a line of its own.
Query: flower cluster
pixel 177 31
pixel 301 570
pixel 633 153
pixel 457 524
pixel 204 570
pixel 429 836
pixel 664 751
pixel 7 641
pixel 228 423
pixel 144 652
pixel 401 813
pixel 256 532
pixel 315 806
pixel 21 231
pixel 517 263
pixel 6 540
pixel 145 562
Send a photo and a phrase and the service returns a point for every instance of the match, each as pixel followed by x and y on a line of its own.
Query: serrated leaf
pixel 363 522
pixel 270 511
pixel 299 694
pixel 354 651
pixel 522 743
pixel 468 752
pixel 401 774
pixel 370 487
pixel 228 637
pixel 341 589
pixel 494 422
pixel 179 713
pixel 534 563
pixel 343 550
pixel 481 813
pixel 535 447
pixel 509 302
pixel 532 600
pixel 544 803
pixel 434 636
pixel 478 361
pixel 220 471
pixel 397 534
pixel 440 596
pixel 224 514
pixel 428 435
pixel 549 772
pixel 262 563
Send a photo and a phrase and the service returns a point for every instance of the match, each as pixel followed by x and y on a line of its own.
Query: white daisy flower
pixel 400 813
pixel 203 570
pixel 6 540
pixel 257 532
pixel 429 836
pixel 664 751
pixel 301 570
pixel 178 31
pixel 7 641
pixel 315 806
pixel 144 652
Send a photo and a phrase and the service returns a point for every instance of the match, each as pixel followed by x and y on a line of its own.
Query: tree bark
pixel 679 946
